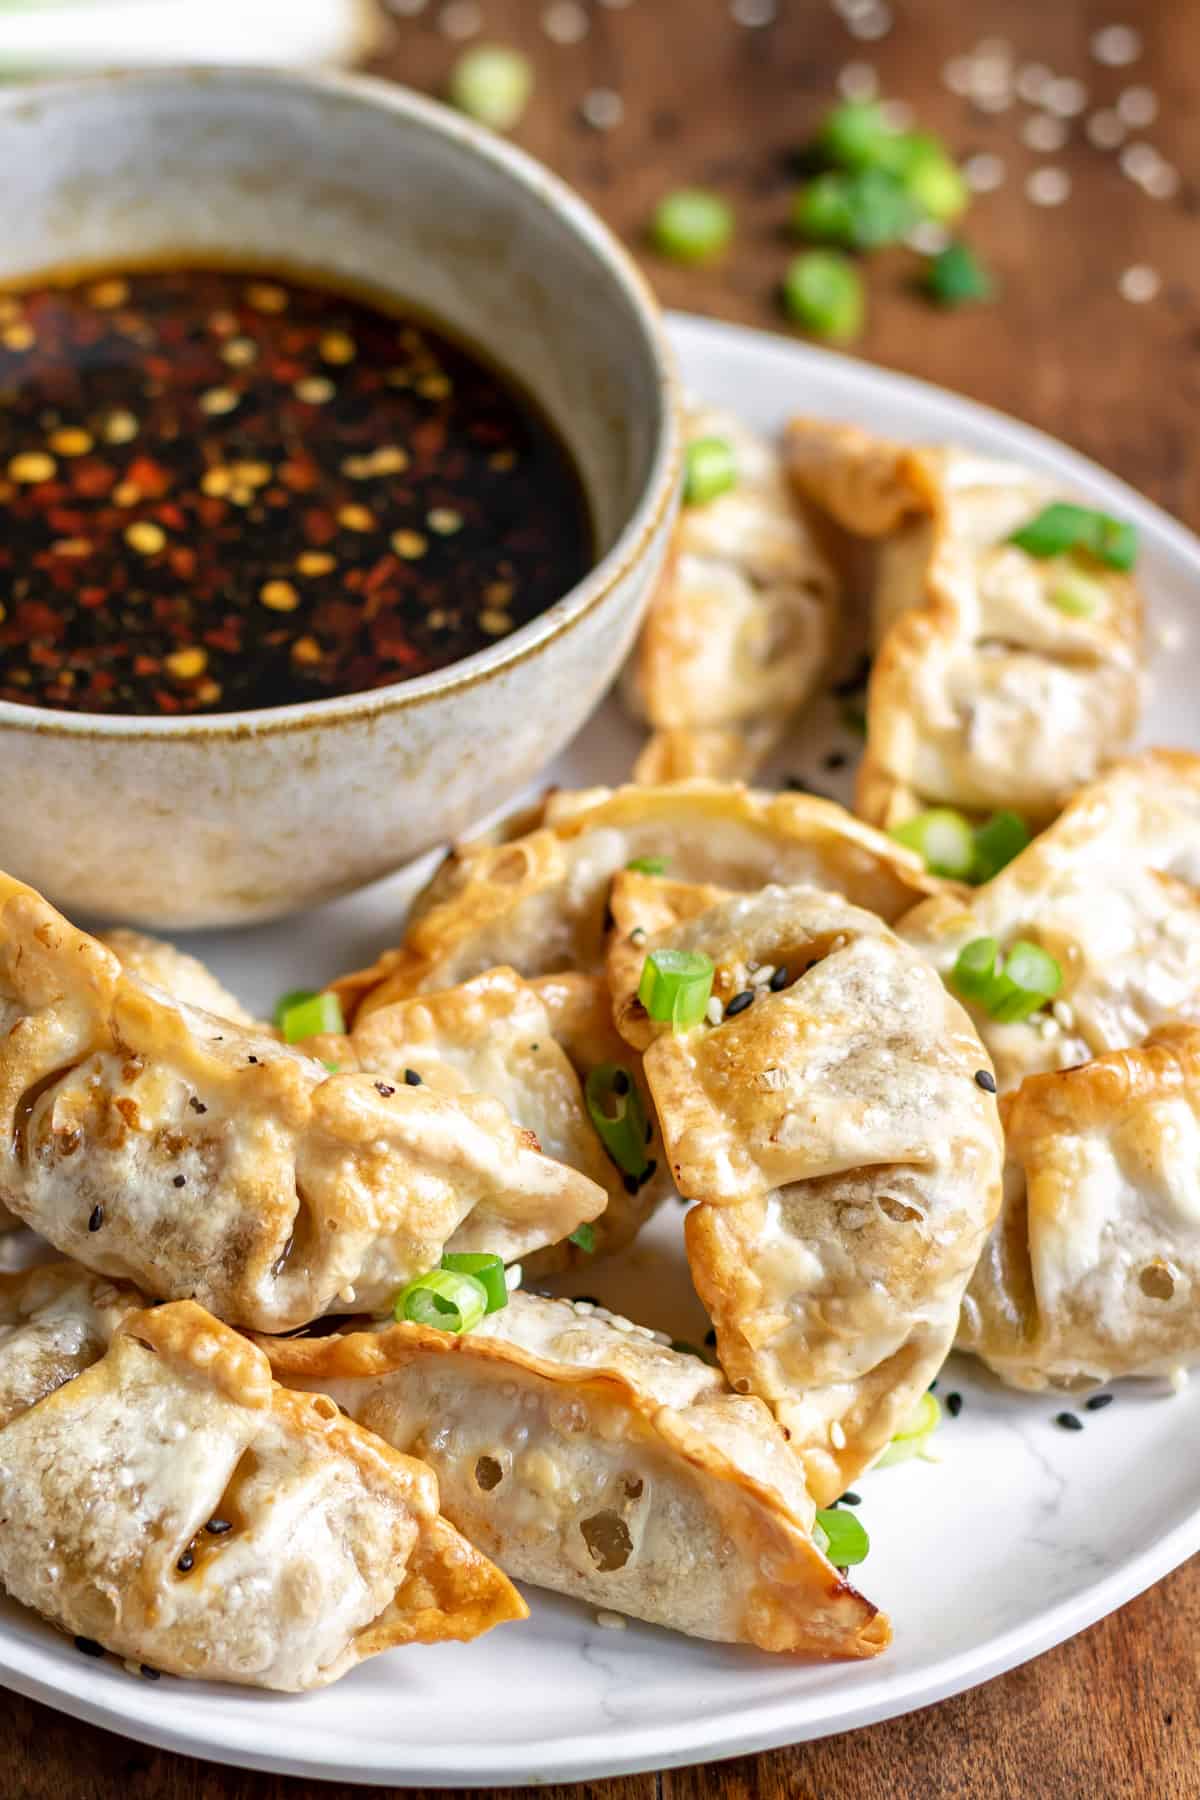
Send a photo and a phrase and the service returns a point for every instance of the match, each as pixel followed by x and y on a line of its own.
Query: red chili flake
pixel 150 476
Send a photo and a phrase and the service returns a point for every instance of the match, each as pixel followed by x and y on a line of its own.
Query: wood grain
pixel 1114 1712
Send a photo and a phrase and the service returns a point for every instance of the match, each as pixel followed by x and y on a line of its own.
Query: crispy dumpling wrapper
pixel 588 1458
pixel 1093 1268
pixel 742 623
pixel 182 976
pixel 1112 891
pixel 175 1505
pixel 180 1151
pixel 984 693
pixel 537 902
pixel 56 1320
pixel 846 1159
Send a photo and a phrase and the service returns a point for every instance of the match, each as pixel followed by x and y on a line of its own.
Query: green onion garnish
pixel 943 839
pixel 487 1270
pixel 1008 988
pixel 822 291
pixel 857 135
pixel 450 1301
pixel 1062 527
pixel 914 1434
pixel 492 84
pixel 841 1537
pixel 932 179
pixel 1004 836
pixel 691 225
pixel 676 986
pixel 862 211
pixel 331 1068
pixel 1077 595
pixel 584 1237
pixel 956 275
pixel 648 865
pixel 709 469
pixel 615 1108
pixel 295 998
pixel 304 1015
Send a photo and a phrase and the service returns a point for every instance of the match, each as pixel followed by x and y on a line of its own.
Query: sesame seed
pixel 897 115
pixel 565 22
pixel 71 440
pixel 279 596
pixel 266 297
pixel 984 173
pixel 1139 161
pixel 179 1181
pixel 1065 97
pixel 1138 106
pixel 837 1435
pixel 1042 131
pixel 1116 46
pixel 954 1404
pixel 1162 183
pixel 216 482
pixel 337 347
pixel 762 977
pixel 186 1563
pixel 1139 283
pixel 314 390
pixel 119 428
pixel 1105 129
pixel 753 14
pixel 1048 186
pixel 185 665
pixel 218 1527
pixel 739 1003
pixel 18 336
pixel 219 400
pixel 602 108
pixel 89 1646
pixel 986 1080
pixel 444 520
pixel 72 547
pixel 495 622
pixel 406 9
pixel 714 1012
pixel 1069 1421
pixel 958 75
pixel 1032 82
pixel 145 537
pixel 97 1218
pixel 32 466
pixel 858 81
pixel 409 544
pixel 611 1621
pixel 412 1078
pixel 780 978
pixel 356 518
pixel 149 1674
pixel 460 19
pixel 239 352
pixel 315 562
pixel 110 293
pixel 253 474
pixel 870 26
pixel 385 1088
pixel 1097 1401
pixel 306 650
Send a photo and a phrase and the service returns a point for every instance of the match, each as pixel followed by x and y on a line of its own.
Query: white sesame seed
pixel 837 1435
pixel 406 9
pixel 984 172
pixel 460 19
pixel 512 1277
pixel 584 1307
pixel 761 977
pixel 871 26
pixel 565 22
pixel 602 108
pixel 615 5
pixel 858 81
pixel 620 1324
pixel 1064 1012
pixel 611 1621
pixel 1116 45
pixel 959 75
pixel 1042 131
pixel 994 49
pixel 1138 106
pixel 1032 82
pixel 1162 183
pixel 1140 162
pixel 714 1012
pixel 753 13
pixel 928 237
pixel 1178 1379
pixel 993 100
pixel 1139 283
pixel 1106 129
pixel 897 115
pixel 1048 1027
pixel 1048 186
pixel 1065 97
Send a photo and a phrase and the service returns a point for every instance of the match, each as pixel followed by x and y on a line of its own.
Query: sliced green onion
pixel 913 1437
pixel 676 986
pixel 862 211
pixel 615 1108
pixel 296 997
pixel 648 865
pixel 1061 527
pixel 1010 988
pixel 956 276
pixel 840 1535
pixel 709 469
pixel 932 179
pixel 1079 596
pixel 856 135
pixel 449 1301
pixel 303 1016
pixel 492 84
pixel 331 1068
pixel 691 225
pixel 584 1238
pixel 943 839
pixel 1004 836
pixel 822 291
pixel 487 1270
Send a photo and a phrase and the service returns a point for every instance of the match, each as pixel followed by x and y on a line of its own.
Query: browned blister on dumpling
pixel 587 1457
pixel 537 902
pixel 827 1117
pixel 1001 679
pixel 175 1505
pixel 183 1152
pixel 1093 1268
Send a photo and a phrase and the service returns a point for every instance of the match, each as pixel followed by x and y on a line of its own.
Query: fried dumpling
pixel 536 902
pixel 741 626
pixel 828 1118
pixel 1001 680
pixel 182 976
pixel 56 1320
pixel 1093 1269
pixel 198 1159
pixel 588 1458
pixel 174 1504
pixel 1111 891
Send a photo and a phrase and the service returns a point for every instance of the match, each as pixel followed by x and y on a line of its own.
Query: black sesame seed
pixel 180 1181
pixel 252 1059
pixel 857 678
pixel 834 759
pixel 149 1674
pixel 218 1527
pixel 412 1078
pixel 197 1106
pixel 535 1046
pixel 1069 1421
pixel 986 1080
pixel 89 1646
pixel 1099 1400
pixel 97 1218
pixel 850 1498
pixel 932 1388
pixel 186 1563
pixel 649 1132
pixel 608 921
pixel 710 1337
pixel 954 1404
pixel 739 1003
pixel 779 979
pixel 620 1082
pixel 385 1088
pixel 631 1183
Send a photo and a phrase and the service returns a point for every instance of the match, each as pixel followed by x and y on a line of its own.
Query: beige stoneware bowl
pixel 245 816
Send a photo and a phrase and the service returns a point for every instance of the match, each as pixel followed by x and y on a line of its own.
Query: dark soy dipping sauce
pixel 221 490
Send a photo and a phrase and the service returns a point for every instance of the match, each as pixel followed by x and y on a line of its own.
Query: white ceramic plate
pixel 1022 1534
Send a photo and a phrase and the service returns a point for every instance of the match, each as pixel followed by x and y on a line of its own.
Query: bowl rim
pixel 537 634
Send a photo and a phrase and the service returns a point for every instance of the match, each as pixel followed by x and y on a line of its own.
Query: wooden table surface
pixel 707 100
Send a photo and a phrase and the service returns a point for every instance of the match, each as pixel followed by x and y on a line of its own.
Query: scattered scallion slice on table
pixel 956 276
pixel 615 1108
pixel 932 179
pixel 648 865
pixel 676 987
pixel 1008 988
pixel 584 1238
pixel 823 292
pixel 943 839
pixel 860 211
pixel 691 225
pixel 492 84
pixel 488 1271
pixel 302 1014
pixel 1062 526
pixel 856 135
pixel 914 1435
pixel 443 1298
pixel 841 1536
pixel 709 469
